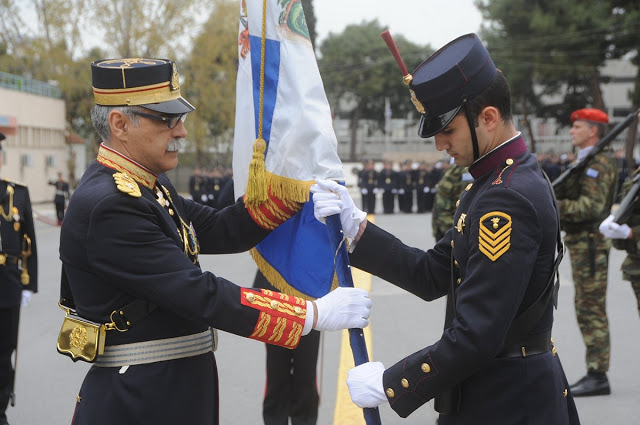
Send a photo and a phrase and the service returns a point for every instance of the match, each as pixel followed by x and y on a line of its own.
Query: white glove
pixel 26 298
pixel 425 189
pixel 343 308
pixel 331 198
pixel 365 384
pixel 203 198
pixel 364 191
pixel 401 191
pixel 611 229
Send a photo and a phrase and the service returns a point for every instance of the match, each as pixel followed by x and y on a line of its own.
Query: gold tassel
pixel 257 185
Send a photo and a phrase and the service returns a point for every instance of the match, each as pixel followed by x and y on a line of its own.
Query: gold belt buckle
pixel 3 259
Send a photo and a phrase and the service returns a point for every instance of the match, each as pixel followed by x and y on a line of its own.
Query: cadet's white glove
pixel 611 229
pixel 331 198
pixel 26 298
pixel 365 384
pixel 343 308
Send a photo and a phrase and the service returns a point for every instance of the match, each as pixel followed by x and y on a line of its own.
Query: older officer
pixel 584 200
pixel 495 363
pixel 18 275
pixel 129 255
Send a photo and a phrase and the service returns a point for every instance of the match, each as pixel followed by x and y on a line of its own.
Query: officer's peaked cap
pixel 458 72
pixel 151 83
pixel 590 114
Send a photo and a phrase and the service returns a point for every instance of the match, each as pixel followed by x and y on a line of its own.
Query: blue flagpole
pixel 343 272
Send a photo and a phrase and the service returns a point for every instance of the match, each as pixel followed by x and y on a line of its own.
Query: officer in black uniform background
pixel 388 185
pixel 367 180
pixel 61 196
pixel 18 275
pixel 406 186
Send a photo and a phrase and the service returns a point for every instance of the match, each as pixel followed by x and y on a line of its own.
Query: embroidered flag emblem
pixel 495 234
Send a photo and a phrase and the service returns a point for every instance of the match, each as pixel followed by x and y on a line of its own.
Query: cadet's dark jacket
pixel 502 251
pixel 16 222
pixel 115 248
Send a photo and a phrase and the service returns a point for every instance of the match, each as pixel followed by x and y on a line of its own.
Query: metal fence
pixel 27 85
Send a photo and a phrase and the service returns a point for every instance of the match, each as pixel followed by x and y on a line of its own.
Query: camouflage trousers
pixel 589 267
pixel 631 272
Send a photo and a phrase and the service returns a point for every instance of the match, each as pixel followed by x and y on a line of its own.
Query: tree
pixel 357 69
pixel 147 28
pixel 210 72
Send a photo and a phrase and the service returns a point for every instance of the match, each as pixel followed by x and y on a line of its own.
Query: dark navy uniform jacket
pixel 500 256
pixel 16 222
pixel 117 247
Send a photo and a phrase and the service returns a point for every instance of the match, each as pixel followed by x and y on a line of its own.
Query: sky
pixel 420 21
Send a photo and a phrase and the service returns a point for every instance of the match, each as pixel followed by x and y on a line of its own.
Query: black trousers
pixel 9 321
pixel 291 389
pixel 59 203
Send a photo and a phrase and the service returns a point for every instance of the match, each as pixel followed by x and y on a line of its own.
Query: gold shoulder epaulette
pixel 14 182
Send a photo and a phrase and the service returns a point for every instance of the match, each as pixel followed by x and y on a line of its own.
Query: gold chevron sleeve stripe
pixel 492 243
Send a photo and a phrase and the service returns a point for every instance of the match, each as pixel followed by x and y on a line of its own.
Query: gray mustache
pixel 176 144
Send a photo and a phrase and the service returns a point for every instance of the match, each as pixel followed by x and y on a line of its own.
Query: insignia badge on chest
pixel 495 234
pixel 460 225
pixel 127 184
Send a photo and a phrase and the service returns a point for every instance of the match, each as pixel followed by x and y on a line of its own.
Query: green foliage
pixel 210 74
pixel 357 67
pixel 559 45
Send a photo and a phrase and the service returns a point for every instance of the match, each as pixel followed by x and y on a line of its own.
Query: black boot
pixel 593 383
pixel 5 394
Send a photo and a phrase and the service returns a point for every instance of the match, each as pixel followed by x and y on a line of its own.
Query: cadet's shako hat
pixel 150 83
pixel 590 114
pixel 459 71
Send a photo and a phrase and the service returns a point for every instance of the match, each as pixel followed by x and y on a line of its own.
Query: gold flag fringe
pixel 278 281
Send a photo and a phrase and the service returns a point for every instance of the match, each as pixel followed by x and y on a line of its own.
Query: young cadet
pixel 495 362
pixel 129 255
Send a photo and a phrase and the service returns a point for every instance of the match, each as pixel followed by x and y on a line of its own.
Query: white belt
pixel 60 192
pixel 158 350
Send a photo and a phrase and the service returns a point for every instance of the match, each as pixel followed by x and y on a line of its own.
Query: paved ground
pixel 401 324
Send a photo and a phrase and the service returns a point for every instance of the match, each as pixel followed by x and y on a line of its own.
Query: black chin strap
pixel 472 128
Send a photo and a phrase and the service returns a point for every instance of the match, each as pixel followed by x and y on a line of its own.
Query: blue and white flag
pixel 284 140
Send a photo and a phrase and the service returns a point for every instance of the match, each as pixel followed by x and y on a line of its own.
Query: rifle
pixel 597 148
pixel 623 212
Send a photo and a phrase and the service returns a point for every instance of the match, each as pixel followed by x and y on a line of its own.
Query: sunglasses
pixel 172 121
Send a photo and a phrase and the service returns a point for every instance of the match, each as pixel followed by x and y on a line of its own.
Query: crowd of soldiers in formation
pixel 415 184
pixel 212 186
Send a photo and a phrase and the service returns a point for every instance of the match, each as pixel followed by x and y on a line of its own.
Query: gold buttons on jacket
pixel 468 188
pixel 390 393
pixel 251 297
pixel 565 392
pixel 509 161
pixel 404 383
pixel 275 304
pixel 452 244
pixel 298 311
pixel 554 351
pixel 455 263
pixel 457 203
pixel 425 367
pixel 459 281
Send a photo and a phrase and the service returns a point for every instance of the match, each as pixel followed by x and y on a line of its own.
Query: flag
pixel 284 140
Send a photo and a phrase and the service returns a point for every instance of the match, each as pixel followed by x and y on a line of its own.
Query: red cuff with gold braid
pixel 281 318
pixel 273 212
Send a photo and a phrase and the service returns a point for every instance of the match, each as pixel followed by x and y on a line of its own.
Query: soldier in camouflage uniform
pixel 584 200
pixel 627 237
pixel 448 191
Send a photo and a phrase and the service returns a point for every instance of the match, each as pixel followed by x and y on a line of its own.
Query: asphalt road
pixel 47 383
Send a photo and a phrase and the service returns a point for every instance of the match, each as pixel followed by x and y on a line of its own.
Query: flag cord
pixel 256 192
